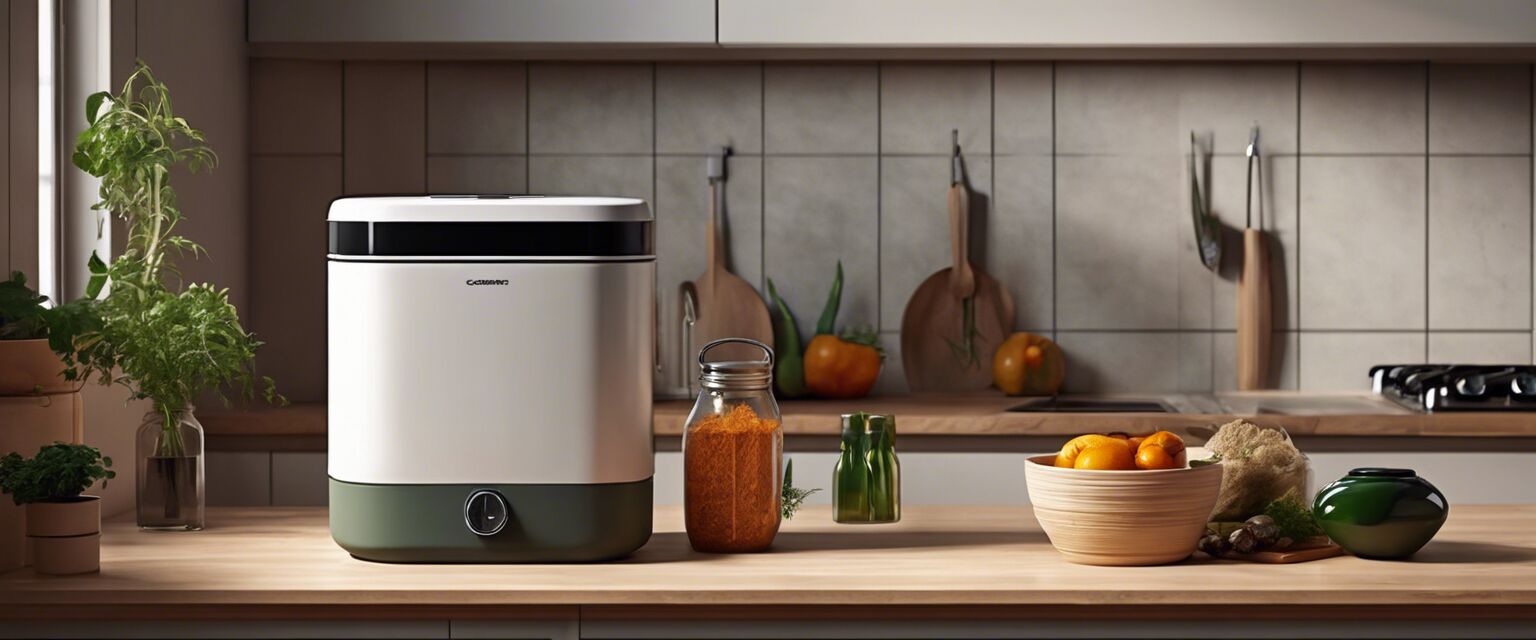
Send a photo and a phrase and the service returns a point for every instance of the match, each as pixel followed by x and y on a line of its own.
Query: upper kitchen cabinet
pixel 351 27
pixel 1138 28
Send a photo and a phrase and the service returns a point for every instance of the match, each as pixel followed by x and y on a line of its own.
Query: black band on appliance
pixel 603 239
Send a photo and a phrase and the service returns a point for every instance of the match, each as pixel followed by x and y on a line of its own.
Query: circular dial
pixel 485 512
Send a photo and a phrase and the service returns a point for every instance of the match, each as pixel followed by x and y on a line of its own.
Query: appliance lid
pixel 488 208
pixel 490 227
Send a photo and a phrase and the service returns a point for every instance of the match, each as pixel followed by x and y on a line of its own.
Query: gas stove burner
pixel 1448 387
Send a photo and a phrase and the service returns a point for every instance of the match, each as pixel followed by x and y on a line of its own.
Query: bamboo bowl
pixel 1122 518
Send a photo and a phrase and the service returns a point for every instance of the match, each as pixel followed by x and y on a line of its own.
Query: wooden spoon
pixel 933 342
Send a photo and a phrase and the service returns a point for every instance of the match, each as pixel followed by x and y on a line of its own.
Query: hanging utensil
pixel 727 305
pixel 959 315
pixel 688 301
pixel 1254 321
pixel 1207 227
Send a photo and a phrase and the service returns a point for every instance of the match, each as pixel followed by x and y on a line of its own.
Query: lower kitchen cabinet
pixel 782 626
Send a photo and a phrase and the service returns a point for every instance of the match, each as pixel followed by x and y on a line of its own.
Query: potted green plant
pixel 33 335
pixel 63 525
pixel 165 340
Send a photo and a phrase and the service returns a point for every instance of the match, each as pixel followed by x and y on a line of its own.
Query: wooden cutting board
pixel 1306 551
pixel 728 306
pixel 932 327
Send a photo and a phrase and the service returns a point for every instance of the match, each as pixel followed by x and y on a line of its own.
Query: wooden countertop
pixel 1302 414
pixel 1483 560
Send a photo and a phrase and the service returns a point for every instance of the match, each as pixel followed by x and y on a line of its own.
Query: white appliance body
pixel 545 379
pixel 494 350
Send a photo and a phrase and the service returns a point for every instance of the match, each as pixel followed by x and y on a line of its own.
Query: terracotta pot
pixel 31 368
pixel 27 423
pixel 67 556
pixel 78 517
pixel 65 536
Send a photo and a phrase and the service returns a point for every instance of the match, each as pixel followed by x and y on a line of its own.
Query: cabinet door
pixel 1111 24
pixel 628 22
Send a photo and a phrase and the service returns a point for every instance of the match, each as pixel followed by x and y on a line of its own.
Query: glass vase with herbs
pixel 866 483
pixel 165 340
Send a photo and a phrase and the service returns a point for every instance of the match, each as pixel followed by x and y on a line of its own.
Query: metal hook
pixel 955 171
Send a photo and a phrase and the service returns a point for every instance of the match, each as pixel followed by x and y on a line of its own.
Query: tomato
pixel 837 368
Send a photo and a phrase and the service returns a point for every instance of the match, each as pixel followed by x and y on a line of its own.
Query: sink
pixel 1091 405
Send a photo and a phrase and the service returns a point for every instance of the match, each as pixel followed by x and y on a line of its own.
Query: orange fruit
pixel 1105 457
pixel 1165 439
pixel 1074 447
pixel 1161 450
pixel 1155 457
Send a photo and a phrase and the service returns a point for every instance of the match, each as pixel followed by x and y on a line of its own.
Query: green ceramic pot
pixel 1381 513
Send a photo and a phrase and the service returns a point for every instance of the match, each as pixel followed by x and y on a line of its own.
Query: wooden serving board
pixel 1306 551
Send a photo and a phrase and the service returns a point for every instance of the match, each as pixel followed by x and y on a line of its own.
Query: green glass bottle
pixel 866 484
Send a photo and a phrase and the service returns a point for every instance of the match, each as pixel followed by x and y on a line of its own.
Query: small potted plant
pixel 63 525
pixel 166 340
pixel 34 336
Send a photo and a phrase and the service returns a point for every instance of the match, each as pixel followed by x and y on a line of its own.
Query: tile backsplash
pixel 1399 195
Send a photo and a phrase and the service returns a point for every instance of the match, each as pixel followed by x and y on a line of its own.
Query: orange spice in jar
pixel 733 450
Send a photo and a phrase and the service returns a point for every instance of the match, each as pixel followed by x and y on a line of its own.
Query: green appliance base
pixel 545 522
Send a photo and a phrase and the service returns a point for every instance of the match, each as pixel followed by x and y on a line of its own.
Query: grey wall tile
pixel 1196 364
pixel 1480 348
pixel 590 108
pixel 1121 362
pixel 1341 361
pixel 295 106
pixel 1362 243
pixel 682 213
pixel 821 108
pixel 239 478
pixel 1362 108
pixel 1118 243
pixel 1480 243
pixel 1479 108
pixel 591 175
pixel 299 479
pixel 1022 108
pixel 914 225
pixel 817 211
pixel 477 174
pixel 1228 188
pixel 290 196
pixel 1121 108
pixel 1151 108
pixel 477 107
pixel 893 379
pixel 1282 361
pixel 1019 237
pixel 385 127
pixel 1225 101
pixel 700 107
pixel 920 103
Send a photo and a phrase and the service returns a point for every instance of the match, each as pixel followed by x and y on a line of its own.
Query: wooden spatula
pixel 938 353
pixel 728 306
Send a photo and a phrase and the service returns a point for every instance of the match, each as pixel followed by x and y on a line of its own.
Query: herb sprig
pixel 165 343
